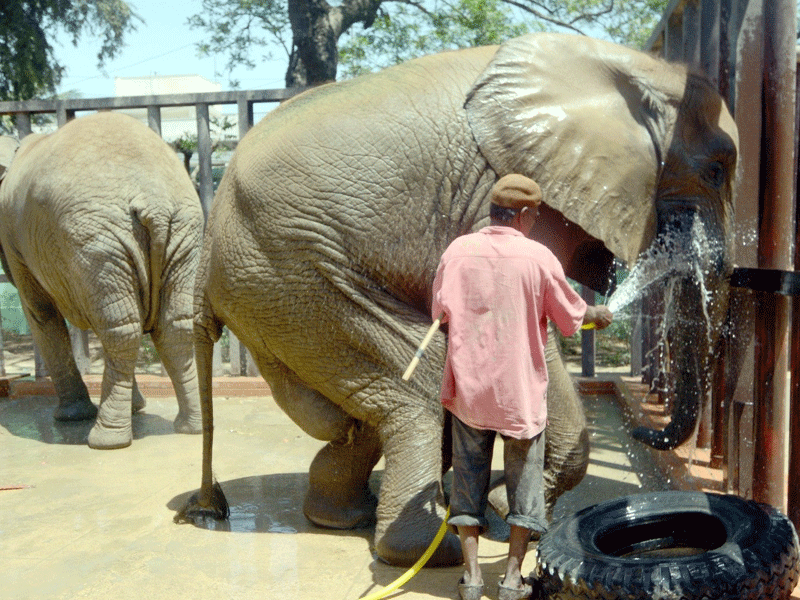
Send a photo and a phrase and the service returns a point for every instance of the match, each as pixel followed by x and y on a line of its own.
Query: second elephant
pixel 101 225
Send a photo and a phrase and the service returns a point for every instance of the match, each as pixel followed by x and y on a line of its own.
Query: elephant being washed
pixel 331 218
pixel 101 225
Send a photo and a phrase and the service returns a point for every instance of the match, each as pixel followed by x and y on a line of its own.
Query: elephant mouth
pixel 691 234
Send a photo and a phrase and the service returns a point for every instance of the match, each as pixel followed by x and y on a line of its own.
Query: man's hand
pixel 599 315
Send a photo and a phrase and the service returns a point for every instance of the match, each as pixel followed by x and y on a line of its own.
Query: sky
pixel 163 45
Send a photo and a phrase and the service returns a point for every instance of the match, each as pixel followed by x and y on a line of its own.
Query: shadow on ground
pixel 31 417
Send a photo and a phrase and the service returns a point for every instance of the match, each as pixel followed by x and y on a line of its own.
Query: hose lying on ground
pixel 414 569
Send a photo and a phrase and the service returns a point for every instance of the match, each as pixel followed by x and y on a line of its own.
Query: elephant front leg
pixel 567 439
pixel 338 494
pixel 113 427
pixel 411 507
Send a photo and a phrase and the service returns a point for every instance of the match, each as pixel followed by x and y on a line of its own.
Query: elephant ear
pixel 589 120
pixel 8 148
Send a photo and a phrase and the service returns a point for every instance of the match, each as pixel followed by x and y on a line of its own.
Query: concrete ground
pixel 77 523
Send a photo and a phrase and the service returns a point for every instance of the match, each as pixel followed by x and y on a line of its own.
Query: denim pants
pixel 523 466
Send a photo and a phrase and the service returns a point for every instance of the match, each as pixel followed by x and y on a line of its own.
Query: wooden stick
pixel 425 341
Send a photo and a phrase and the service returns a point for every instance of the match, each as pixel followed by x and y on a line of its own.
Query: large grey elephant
pixel 101 225
pixel 329 223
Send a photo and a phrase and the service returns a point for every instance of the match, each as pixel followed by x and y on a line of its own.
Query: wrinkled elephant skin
pixel 329 223
pixel 101 225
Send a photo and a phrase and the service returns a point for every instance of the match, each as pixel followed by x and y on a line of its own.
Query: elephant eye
pixel 714 174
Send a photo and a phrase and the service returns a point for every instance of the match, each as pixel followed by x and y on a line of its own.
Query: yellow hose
pixel 415 567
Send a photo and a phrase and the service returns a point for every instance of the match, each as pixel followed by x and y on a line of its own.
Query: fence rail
pixel 65 110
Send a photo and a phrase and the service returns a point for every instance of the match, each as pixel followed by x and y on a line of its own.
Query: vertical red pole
pixel 793 509
pixel 742 76
pixel 775 252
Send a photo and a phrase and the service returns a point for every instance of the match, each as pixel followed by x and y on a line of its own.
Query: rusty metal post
pixel 775 252
pixel 691 32
pixel 715 37
pixel 673 38
pixel 742 73
pixel 706 56
pixel 793 502
pixel 154 118
pixel 710 39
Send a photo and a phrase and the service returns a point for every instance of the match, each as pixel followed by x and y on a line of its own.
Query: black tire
pixel 670 545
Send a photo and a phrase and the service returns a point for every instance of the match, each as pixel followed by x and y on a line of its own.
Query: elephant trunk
pixel 689 354
pixel 695 310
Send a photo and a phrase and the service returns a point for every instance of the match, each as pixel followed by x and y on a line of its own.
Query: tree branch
pixel 357 11
pixel 418 5
pixel 545 17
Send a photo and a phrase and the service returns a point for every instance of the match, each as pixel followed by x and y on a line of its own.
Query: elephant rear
pixel 102 228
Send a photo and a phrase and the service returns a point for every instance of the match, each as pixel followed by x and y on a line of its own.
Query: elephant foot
pixel 107 438
pixel 137 401
pixel 403 545
pixel 190 425
pixel 335 512
pixel 75 410
pixel 338 494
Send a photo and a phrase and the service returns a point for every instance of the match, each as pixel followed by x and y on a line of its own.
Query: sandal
pixel 470 591
pixel 515 593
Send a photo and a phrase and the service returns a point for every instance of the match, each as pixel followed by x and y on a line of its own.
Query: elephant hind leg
pixel 113 428
pixel 52 338
pixel 138 401
pixel 174 344
pixel 338 496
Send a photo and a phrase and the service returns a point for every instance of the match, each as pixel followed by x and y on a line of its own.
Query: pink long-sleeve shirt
pixel 497 290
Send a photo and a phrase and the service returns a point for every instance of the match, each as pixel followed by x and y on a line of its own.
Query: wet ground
pixel 77 523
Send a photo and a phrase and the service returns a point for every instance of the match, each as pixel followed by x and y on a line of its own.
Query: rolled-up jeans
pixel 523 466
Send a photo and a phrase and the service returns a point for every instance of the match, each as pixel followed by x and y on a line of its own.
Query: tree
pixel 28 65
pixel 408 33
pixel 383 32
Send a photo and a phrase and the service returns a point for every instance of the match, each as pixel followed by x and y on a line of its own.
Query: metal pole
pixel 744 66
pixel 154 118
pixel 691 33
pixel 775 252
pixel 710 39
pixel 793 502
pixel 587 339
pixel 245 116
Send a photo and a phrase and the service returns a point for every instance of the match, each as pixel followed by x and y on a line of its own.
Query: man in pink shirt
pixel 497 289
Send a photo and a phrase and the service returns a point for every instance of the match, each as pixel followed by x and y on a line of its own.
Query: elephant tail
pixel 169 259
pixel 155 219
pixel 210 500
